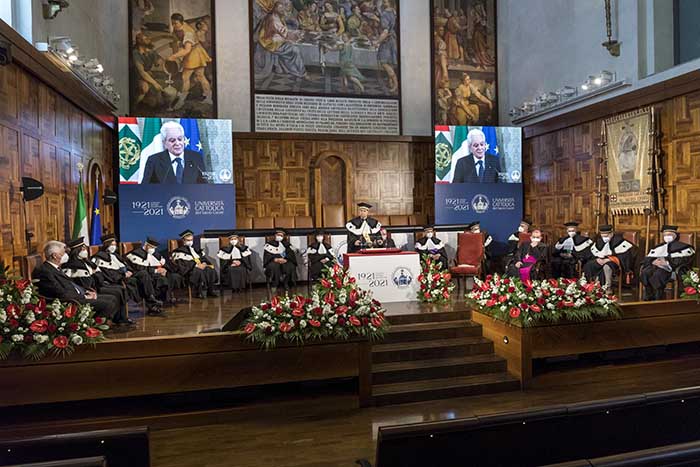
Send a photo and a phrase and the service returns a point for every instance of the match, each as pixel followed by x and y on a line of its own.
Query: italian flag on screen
pixel 137 142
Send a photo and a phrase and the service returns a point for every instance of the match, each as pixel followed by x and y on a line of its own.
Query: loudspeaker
pixel 31 189
pixel 109 197
pixel 5 53
pixel 231 325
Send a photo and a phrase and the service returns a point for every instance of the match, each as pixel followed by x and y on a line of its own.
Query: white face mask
pixel 83 254
pixel 476 231
pixel 534 241
pixel 319 238
pixel 521 229
pixel 279 238
pixel 669 238
pixel 571 234
pixel 429 235
pixel 234 242
pixel 112 248
pixel 64 258
pixel 150 250
pixel 606 239
pixel 189 242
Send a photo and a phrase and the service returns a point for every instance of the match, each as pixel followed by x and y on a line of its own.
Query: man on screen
pixel 477 166
pixel 176 164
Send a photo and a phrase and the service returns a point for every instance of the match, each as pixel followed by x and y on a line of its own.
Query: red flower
pixel 70 311
pixel 249 328
pixel 588 287
pixel 92 333
pixel 52 328
pixel 298 312
pixel 546 292
pixel 426 294
pixel 569 304
pixel 541 301
pixel 535 308
pixel 559 292
pixel 265 307
pixel 30 307
pixel 329 298
pixel 506 281
pixel 14 323
pixel 511 289
pixel 446 294
pixel 553 282
pixel 285 327
pixel 524 306
pixel 0 338
pixel 342 309
pixel 22 284
pixel 376 322
pixel 61 342
pixel 73 326
pixel 336 268
pixel 12 310
pixel 41 305
pixel 502 299
pixel 354 321
pixel 436 277
pixel 352 297
pixel 341 321
pixel 690 290
pixel 447 276
pixel 28 338
pixel 491 303
pixel 365 321
pixel 318 311
pixel 514 312
pixel 314 323
pixel 99 320
pixel 40 325
pixel 275 301
pixel 278 310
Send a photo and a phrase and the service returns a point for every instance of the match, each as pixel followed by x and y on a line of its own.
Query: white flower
pixel 17 338
pixel 333 319
pixel 40 338
pixel 302 323
pixel 3 316
pixel 76 339
pixel 30 317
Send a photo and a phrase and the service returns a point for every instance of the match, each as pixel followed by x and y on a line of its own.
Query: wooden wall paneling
pixel 28 93
pixel 9 110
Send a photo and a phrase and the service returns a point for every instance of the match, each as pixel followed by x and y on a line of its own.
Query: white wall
pixel 99 28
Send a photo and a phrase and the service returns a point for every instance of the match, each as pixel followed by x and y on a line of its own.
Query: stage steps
pixel 436 355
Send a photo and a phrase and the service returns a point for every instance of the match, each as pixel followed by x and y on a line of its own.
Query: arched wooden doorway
pixel 331 183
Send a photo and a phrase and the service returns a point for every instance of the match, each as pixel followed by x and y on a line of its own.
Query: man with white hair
pixel 53 283
pixel 477 166
pixel 175 164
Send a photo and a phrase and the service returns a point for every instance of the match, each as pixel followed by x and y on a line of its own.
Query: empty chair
pixel 470 256
pixel 304 222
pixel 285 222
pixel 401 219
pixel 333 215
pixel 244 223
pixel 263 223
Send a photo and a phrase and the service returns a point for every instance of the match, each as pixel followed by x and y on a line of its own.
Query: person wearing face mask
pixel 531 260
pixel 191 264
pixel 363 230
pixel 610 253
pixel 115 269
pixel 53 283
pixel 569 251
pixel 514 238
pixel 429 246
pixel 235 264
pixel 147 258
pixel 667 260
pixel 384 241
pixel 320 255
pixel 85 273
pixel 280 261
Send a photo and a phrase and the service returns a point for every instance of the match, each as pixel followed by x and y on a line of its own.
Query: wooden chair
pixel 399 220
pixel 126 247
pixel 304 222
pixel 245 223
pixel 628 276
pixel 94 249
pixel 266 223
pixel 224 242
pixel 382 219
pixel 523 237
pixel 285 222
pixel 333 215
pixel 418 219
pixel 469 258
pixel 29 263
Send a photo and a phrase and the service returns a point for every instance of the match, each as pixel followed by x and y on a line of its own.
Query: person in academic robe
pixel 235 264
pixel 429 246
pixel 531 259
pixel 514 238
pixel 475 227
pixel 610 253
pixel 191 264
pixel 147 258
pixel 570 251
pixel 52 283
pixel 85 273
pixel 116 271
pixel 320 255
pixel 363 230
pixel 384 241
pixel 667 260
pixel 280 261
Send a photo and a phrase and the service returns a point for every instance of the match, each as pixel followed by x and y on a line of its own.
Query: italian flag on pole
pixel 80 225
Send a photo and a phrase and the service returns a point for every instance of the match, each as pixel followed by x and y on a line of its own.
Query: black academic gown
pixel 680 258
pixel 618 249
pixel 88 275
pixel 429 246
pixel 513 241
pixel 385 242
pixel 140 260
pixel 355 228
pixel 280 275
pixel 567 254
pixel 235 276
pixel 185 260
pixel 540 269
pixel 316 253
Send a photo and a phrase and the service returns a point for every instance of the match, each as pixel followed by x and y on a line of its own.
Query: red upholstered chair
pixel 470 256
pixel 523 237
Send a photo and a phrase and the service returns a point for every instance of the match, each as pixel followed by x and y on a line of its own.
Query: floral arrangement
pixel 32 327
pixel 435 285
pixel 548 300
pixel 336 309
pixel 691 285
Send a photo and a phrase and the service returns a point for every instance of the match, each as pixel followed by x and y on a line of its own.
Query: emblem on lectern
pixel 402 278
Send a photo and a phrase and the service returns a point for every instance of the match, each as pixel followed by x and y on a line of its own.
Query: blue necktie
pixel 479 167
pixel 178 169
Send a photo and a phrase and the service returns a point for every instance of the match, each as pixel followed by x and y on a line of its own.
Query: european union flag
pixel 96 223
pixel 491 140
pixel 191 134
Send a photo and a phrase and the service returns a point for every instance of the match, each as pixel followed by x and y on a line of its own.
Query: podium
pixel 392 277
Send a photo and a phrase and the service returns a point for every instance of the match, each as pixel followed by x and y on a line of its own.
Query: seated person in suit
pixel 175 164
pixel 235 264
pixel 569 251
pixel 115 270
pixel 429 246
pixel 280 261
pixel 384 241
pixel 54 284
pixel 362 230
pixel 610 253
pixel 147 258
pixel 514 238
pixel 530 257
pixel 191 263
pixel 320 256
pixel 664 261
pixel 83 272
pixel 477 166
